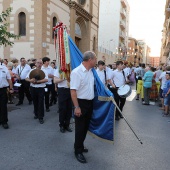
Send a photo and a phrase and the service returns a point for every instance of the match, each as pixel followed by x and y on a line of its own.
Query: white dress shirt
pixel 49 70
pixel 127 71
pixel 101 75
pixel 4 76
pixel 22 71
pixel 163 79
pixel 38 85
pixel 117 77
pixel 14 70
pixel 82 80
pixel 63 83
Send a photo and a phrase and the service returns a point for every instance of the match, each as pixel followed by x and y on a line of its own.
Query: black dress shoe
pixel 62 130
pixel 121 116
pixel 116 118
pixel 47 110
pixel 68 129
pixel 41 121
pixel 35 117
pixel 5 125
pixel 19 103
pixel 80 157
pixel 85 150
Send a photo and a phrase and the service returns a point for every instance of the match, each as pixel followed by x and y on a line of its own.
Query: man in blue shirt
pixel 147 84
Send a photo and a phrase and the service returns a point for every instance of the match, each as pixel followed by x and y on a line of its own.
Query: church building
pixel 34 20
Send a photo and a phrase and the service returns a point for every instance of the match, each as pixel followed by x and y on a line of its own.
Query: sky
pixel 146 22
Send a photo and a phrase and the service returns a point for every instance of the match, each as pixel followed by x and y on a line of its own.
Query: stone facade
pixel 38 41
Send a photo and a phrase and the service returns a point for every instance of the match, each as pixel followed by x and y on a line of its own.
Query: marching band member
pixel 37 92
pixel 64 102
pixel 102 73
pixel 21 72
pixel 49 85
pixel 82 94
pixel 119 78
pixel 5 81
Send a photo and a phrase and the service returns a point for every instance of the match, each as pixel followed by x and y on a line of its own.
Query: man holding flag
pixel 82 94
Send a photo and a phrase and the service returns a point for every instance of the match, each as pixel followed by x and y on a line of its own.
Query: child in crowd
pixel 166 94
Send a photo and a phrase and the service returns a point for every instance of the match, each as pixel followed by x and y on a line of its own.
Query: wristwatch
pixel 75 107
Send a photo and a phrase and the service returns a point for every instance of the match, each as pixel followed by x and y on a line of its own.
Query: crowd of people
pixel 152 83
pixel 75 94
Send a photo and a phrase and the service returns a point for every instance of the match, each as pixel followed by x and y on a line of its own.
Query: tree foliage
pixel 5 36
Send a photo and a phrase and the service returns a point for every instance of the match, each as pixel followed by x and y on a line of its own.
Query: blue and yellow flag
pixel 102 122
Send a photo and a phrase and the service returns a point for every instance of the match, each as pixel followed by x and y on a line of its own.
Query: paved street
pixel 28 145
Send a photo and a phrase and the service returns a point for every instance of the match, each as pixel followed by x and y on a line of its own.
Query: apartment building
pixel 113 30
pixel 33 20
pixel 134 52
pixel 154 61
pixel 165 48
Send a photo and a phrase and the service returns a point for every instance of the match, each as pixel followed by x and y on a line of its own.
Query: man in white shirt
pixel 37 92
pixel 102 73
pixel 119 79
pixel 5 82
pixel 82 94
pixel 49 86
pixel 64 102
pixel 21 72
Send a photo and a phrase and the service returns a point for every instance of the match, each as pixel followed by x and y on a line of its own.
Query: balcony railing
pixel 122 34
pixel 105 51
pixel 122 24
pixel 123 3
pixel 123 13
pixel 168 23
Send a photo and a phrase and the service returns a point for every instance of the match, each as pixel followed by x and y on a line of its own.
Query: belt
pixel 63 88
pixel 3 88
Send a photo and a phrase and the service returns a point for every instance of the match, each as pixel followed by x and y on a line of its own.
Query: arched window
pixel 54 24
pixel 78 30
pixel 22 23
pixel 77 34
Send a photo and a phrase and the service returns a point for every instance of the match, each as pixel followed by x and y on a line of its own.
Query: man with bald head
pixel 82 94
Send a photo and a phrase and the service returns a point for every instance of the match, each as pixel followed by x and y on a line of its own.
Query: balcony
pixel 168 24
pixel 166 52
pixel 122 35
pixel 122 24
pixel 123 3
pixel 168 41
pixel 123 13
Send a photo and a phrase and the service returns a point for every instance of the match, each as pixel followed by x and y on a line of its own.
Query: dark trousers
pixel 82 124
pixel 3 105
pixel 47 95
pixel 119 101
pixel 65 106
pixel 25 88
pixel 38 101
pixel 146 94
pixel 53 94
